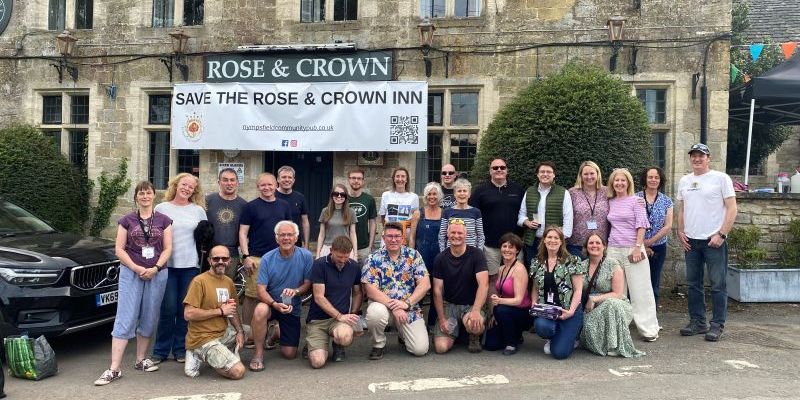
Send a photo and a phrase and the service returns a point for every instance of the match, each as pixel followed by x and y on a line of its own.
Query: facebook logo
pixel 284 143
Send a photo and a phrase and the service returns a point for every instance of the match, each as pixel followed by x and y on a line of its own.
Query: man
pixel 296 200
pixel 282 277
pixel 396 280
pixel 363 206
pixel 224 210
pixel 460 287
pixel 257 236
pixel 336 284
pixel 214 325
pixel 499 201
pixel 707 211
pixel 448 178
pixel 398 205
pixel 543 205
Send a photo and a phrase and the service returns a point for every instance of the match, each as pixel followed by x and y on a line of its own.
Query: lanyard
pixel 592 281
pixel 505 276
pixel 591 206
pixel 145 230
pixel 649 207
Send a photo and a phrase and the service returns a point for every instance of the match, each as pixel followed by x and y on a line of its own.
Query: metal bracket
pixel 176 60
pixel 63 65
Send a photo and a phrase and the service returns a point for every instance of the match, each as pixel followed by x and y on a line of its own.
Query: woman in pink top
pixel 512 301
pixel 589 207
pixel 628 219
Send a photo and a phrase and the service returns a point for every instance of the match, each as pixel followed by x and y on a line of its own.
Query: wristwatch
pixel 408 303
pixel 245 256
pixel 722 235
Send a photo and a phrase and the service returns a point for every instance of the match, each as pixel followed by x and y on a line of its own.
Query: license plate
pixel 103 299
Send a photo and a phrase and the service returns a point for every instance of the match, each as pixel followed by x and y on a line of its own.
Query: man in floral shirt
pixel 396 280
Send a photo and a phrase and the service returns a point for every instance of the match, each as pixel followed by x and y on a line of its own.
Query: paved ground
pixel 758 358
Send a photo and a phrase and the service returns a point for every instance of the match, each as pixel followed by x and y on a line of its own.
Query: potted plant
pixel 753 280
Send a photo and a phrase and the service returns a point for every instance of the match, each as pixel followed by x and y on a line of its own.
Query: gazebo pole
pixel 749 143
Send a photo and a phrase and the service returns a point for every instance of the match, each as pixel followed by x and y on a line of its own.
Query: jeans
pixel 656 266
pixel 530 252
pixel 171 333
pixel 716 261
pixel 562 333
pixel 511 322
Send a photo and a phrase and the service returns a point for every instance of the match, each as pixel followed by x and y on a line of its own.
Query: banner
pixel 321 116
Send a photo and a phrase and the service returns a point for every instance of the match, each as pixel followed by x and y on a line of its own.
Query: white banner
pixel 321 116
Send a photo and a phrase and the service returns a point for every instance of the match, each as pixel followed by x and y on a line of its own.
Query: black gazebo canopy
pixel 776 94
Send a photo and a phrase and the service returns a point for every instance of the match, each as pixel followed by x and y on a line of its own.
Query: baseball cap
pixel 701 148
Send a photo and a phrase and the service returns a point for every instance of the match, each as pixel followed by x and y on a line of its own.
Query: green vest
pixel 553 208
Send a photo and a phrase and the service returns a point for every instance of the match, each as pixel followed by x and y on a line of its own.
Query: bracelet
pixel 221 313
pixel 338 314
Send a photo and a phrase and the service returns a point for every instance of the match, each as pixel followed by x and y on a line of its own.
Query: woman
pixel 185 205
pixel 425 232
pixel 628 221
pixel 143 244
pixel 399 204
pixel 473 220
pixel 558 281
pixel 512 300
pixel 337 219
pixel 659 214
pixel 607 313
pixel 590 207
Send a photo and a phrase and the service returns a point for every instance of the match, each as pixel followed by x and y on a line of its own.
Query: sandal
pixel 272 337
pixel 256 364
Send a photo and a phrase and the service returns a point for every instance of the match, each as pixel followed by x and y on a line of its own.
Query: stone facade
pixel 508 46
pixel 772 213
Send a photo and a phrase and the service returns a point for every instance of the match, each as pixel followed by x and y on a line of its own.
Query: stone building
pixel 483 52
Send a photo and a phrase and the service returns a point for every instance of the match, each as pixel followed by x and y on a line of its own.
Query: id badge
pixel 549 298
pixel 591 224
pixel 148 252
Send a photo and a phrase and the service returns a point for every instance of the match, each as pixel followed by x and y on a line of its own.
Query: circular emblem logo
pixel 193 129
pixel 225 216
pixel 358 209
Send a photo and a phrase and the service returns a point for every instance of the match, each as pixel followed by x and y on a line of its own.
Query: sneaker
pixel 475 344
pixel 108 377
pixel 146 365
pixel 650 338
pixel 304 352
pixel 547 348
pixel 192 366
pixel 181 358
pixel 694 328
pixel 338 353
pixel 156 359
pixel 612 353
pixel 376 353
pixel 715 333
pixel 510 350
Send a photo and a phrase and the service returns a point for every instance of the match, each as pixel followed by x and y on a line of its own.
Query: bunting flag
pixel 755 51
pixel 788 49
pixel 734 73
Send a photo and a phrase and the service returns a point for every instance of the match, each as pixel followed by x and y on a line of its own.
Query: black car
pixel 52 282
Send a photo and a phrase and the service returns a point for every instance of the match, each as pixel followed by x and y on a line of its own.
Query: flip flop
pixel 256 364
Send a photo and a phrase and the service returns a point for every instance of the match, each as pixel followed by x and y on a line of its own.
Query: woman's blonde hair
pixel 579 180
pixel 624 171
pixel 196 198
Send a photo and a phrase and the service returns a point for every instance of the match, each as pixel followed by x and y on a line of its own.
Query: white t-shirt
pixel 703 202
pixel 398 207
pixel 185 220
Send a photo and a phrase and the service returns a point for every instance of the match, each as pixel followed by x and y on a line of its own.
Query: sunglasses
pixel 499 167
pixel 220 259
pixel 448 172
pixel 339 194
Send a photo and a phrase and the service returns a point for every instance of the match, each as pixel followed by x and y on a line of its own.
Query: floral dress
pixel 606 327
pixel 563 275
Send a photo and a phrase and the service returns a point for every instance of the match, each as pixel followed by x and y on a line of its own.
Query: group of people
pixel 490 257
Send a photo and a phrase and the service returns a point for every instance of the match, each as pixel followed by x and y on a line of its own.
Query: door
pixel 313 178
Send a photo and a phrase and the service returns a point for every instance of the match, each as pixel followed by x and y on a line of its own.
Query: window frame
pixel 449 9
pixel 320 8
pixel 87 21
pixel 345 4
pixel 196 20
pixel 167 9
pixel 56 17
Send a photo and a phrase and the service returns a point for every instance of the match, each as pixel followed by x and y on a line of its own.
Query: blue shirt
pixel 396 279
pixel 657 215
pixel 278 273
pixel 338 285
pixel 262 216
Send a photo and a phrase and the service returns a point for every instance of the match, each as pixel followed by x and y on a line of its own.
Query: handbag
pixel 545 311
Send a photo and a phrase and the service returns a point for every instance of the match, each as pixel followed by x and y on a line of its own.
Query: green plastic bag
pixel 29 358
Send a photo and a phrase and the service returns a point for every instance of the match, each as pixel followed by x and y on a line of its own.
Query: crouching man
pixel 336 284
pixel 214 325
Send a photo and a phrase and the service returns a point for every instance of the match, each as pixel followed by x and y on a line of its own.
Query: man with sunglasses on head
pixel 214 326
pixel 449 176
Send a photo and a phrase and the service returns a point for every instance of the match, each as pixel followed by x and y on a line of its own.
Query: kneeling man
pixel 336 284
pixel 460 284
pixel 214 325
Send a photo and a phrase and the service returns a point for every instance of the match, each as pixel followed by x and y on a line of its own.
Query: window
pixel 312 10
pixel 159 110
pixel 660 148
pixel 192 12
pixel 77 148
pixel 435 104
pixel 464 109
pixel 654 102
pixel 56 15
pixel 345 10
pixel 432 8
pixel 467 8
pixel 159 159
pixel 79 110
pixel 189 161
pixel 163 13
pixel 51 109
pixel 83 14
pixel 55 136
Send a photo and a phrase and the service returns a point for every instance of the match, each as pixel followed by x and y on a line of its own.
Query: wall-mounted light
pixel 616 34
pixel 65 45
pixel 180 43
pixel 426 30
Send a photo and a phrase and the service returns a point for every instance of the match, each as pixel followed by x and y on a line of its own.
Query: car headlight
pixel 29 277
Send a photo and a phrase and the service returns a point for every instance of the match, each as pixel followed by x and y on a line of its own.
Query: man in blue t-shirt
pixel 283 277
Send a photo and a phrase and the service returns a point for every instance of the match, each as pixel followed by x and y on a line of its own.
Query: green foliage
pixel 744 244
pixel 582 113
pixel 36 176
pixel 110 190
pixel 790 252
pixel 766 140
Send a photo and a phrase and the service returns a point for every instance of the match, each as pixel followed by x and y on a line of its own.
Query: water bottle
pixel 783 182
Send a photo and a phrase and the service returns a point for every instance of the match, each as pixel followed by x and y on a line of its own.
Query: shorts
pixel 493 259
pixel 456 311
pixel 250 285
pixel 217 352
pixel 319 332
pixel 290 328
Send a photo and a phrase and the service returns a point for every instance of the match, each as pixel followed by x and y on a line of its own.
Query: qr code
pixel 404 129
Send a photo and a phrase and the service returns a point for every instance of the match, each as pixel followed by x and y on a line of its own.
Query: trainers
pixel 338 353
pixel 650 338
pixel 475 344
pixel 694 328
pixel 547 348
pixel 108 377
pixel 304 353
pixel 192 366
pixel 376 353
pixel 509 350
pixel 715 333
pixel 156 359
pixel 181 358
pixel 145 365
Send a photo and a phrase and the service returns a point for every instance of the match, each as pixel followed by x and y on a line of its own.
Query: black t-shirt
pixel 458 274
pixel 449 199
pixel 298 206
pixel 338 285
pixel 551 289
pixel 499 207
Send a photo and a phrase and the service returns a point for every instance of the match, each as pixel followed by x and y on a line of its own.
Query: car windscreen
pixel 15 220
